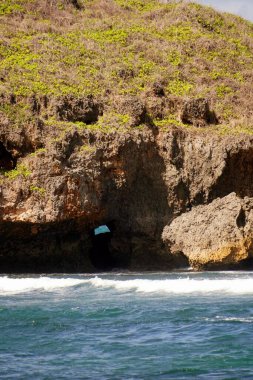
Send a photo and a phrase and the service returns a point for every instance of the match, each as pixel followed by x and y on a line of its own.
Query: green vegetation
pixel 138 5
pixel 179 87
pixel 37 189
pixel 109 122
pixel 121 47
pixel 9 7
pixel 111 36
pixel 21 170
pixel 175 58
pixel 222 90
pixel 168 122
pixel 88 148
pixel 17 114
pixel 38 151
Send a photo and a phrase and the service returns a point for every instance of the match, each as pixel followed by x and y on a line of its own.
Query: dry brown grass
pixel 121 47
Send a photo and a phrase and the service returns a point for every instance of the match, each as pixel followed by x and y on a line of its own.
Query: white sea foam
pixel 183 285
pixel 179 286
pixel 220 318
pixel 20 285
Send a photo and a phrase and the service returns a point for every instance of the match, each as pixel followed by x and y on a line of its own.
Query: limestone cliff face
pixel 67 182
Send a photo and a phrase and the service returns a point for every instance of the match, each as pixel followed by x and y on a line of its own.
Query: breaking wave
pixel 179 286
pixel 20 285
pixel 187 285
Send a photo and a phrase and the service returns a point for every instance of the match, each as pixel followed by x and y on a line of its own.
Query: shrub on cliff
pixel 117 48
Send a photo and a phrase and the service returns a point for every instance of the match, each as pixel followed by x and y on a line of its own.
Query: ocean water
pixel 127 326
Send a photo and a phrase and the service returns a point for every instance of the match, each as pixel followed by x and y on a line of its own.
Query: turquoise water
pixel 120 326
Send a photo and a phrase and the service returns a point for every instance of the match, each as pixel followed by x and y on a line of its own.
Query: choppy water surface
pixel 121 326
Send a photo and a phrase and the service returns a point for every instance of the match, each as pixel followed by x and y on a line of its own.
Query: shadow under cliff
pixel 135 197
pixel 237 175
pixel 50 248
pixel 133 203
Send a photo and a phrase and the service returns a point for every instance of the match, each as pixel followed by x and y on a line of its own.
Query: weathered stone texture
pixel 139 180
pixel 216 234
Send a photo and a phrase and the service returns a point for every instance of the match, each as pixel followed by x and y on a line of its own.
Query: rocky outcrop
pixel 197 112
pixel 71 108
pixel 60 181
pixel 216 235
pixel 133 108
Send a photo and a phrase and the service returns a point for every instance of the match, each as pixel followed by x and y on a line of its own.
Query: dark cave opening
pixel 237 175
pixel 100 254
pixel 7 161
pixel 246 264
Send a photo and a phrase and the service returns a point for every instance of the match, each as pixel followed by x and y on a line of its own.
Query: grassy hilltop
pixel 111 50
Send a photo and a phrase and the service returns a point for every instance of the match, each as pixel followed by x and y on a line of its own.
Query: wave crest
pixel 188 285
pixel 178 286
pixel 20 285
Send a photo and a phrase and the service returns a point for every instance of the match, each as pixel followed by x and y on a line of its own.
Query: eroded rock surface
pixel 219 234
pixel 197 112
pixel 59 183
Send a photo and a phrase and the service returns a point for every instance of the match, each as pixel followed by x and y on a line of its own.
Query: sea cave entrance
pixel 7 162
pixel 100 254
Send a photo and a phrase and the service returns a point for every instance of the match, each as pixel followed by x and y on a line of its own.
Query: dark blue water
pixel 157 326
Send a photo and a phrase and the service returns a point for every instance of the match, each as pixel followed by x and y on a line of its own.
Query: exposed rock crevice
pixel 7 161
pixel 237 174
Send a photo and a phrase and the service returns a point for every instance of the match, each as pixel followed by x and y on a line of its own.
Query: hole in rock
pixel 241 219
pixel 7 161
pixel 100 255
